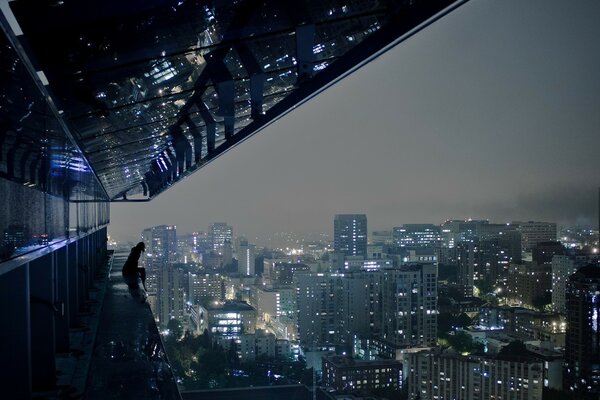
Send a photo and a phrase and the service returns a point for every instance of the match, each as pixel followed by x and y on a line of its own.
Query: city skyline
pixel 488 113
pixel 414 222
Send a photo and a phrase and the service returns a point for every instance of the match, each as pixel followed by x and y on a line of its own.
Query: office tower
pixel 562 267
pixel 381 237
pixel 246 257
pixel 504 236
pixel 417 235
pixel 467 258
pixel 398 305
pixel 272 303
pixel 346 374
pixel 436 375
pixel 171 294
pixel 220 233
pixel 352 307
pixel 454 231
pixel 227 253
pixel 582 351
pixel 409 305
pixel 350 234
pixel 227 320
pixel 533 232
pixel 333 307
pixel 161 245
pixel 317 297
pixel 485 259
pixel 205 287
pixel 160 254
pixel 202 242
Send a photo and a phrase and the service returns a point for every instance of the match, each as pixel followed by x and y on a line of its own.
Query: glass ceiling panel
pixel 154 89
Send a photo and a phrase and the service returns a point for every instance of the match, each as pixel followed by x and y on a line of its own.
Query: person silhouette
pixel 131 271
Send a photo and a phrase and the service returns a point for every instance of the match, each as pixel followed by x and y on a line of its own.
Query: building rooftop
pixel 230 306
pixel 341 361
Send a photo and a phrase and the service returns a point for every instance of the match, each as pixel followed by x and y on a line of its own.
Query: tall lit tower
pixel 350 234
pixel 246 257
pixel 161 245
pixel 162 281
pixel 220 233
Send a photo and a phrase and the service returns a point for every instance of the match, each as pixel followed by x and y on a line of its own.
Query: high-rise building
pixel 381 237
pixel 397 304
pixel 436 375
pixel 271 303
pixel 409 305
pixel 317 298
pixel 161 245
pixel 467 258
pixel 346 374
pixel 228 320
pixel 417 235
pixel 533 232
pixel 246 257
pixel 163 282
pixel 454 231
pixel 205 287
pixel 170 295
pixel 350 234
pixel 582 351
pixel 220 233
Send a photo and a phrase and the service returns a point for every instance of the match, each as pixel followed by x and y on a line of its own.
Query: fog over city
pixel 489 113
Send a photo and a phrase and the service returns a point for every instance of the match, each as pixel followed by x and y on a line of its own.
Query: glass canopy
pixel 152 90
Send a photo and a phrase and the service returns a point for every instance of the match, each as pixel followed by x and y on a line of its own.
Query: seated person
pixel 131 271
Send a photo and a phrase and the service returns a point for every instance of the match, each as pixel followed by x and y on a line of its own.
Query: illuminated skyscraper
pixel 162 281
pixel 350 234
pixel 246 257
pixel 220 233
pixel 417 235
pixel 161 245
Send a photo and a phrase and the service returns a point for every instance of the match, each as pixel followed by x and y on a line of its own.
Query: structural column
pixel 62 323
pixel 43 361
pixel 15 343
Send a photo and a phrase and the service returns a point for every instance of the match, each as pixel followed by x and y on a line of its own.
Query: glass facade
pixel 154 90
pixel 48 191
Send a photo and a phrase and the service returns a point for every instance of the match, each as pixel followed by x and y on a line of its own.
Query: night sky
pixel 492 112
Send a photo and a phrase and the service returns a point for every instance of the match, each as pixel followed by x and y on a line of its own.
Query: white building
pixel 264 344
pixel 435 375
pixel 272 303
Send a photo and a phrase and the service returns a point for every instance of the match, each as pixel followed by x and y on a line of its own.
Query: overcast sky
pixel 492 112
